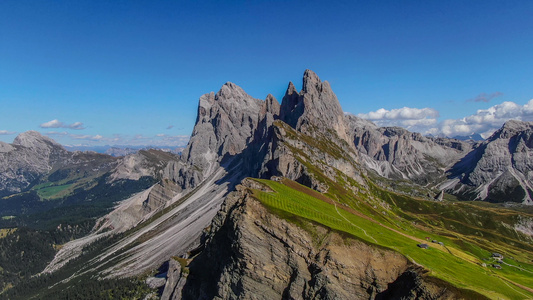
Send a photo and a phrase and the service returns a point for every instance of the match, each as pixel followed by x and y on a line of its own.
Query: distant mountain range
pixel 473 137
pixel 118 150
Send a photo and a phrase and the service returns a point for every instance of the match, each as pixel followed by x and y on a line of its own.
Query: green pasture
pixel 462 269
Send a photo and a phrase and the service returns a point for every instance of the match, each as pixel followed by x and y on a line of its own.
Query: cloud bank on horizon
pixel 424 120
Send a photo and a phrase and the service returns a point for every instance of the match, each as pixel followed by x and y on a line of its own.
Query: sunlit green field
pixel 451 263
pixel 51 191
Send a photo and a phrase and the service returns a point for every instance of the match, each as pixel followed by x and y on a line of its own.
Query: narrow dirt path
pixel 364 231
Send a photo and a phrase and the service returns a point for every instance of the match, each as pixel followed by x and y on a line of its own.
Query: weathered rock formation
pixel 500 169
pixel 151 163
pixel 396 153
pixel 314 109
pixel 225 124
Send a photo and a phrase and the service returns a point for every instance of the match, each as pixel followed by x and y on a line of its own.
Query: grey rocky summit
pixel 225 124
pixel 30 156
pixel 315 108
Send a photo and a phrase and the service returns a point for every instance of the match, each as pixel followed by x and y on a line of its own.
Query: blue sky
pixel 131 72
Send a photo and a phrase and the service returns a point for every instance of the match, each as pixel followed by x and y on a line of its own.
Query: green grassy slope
pixel 452 263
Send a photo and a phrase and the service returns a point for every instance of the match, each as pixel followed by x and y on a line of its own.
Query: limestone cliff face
pixel 225 124
pixel 301 158
pixel 309 133
pixel 396 153
pixel 500 169
pixel 315 109
pixel 252 254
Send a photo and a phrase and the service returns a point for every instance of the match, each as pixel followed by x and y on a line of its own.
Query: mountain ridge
pixel 388 175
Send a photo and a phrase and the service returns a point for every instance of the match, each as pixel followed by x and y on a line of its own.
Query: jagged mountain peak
pixel 353 122
pixel 270 99
pixel 395 130
pixel 271 105
pixel 511 128
pixel 291 107
pixel 225 123
pixel 315 106
pixel 291 89
pixel 498 169
pixel 231 86
pixel 231 91
pixel 311 81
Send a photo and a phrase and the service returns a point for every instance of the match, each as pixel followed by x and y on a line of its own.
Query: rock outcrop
pixel 29 157
pixel 151 163
pixel 225 124
pixel 315 106
pixel 500 169
pixel 249 251
pixel 497 170
pixel 190 189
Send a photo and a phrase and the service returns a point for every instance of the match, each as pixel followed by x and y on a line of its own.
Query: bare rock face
pixel 37 142
pixel 497 170
pixel 253 254
pixel 142 163
pixel 298 157
pixel 315 108
pixel 396 153
pixel 500 169
pixel 225 123
pixel 30 156
pixel 5 147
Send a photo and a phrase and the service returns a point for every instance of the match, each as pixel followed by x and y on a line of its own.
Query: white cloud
pixel 6 132
pixel 404 113
pixel 87 137
pixel 58 124
pixel 177 140
pixel 76 125
pixel 411 118
pixel 484 121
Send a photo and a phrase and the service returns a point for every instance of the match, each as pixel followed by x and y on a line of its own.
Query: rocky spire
pixel 291 107
pixel 315 106
pixel 272 106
